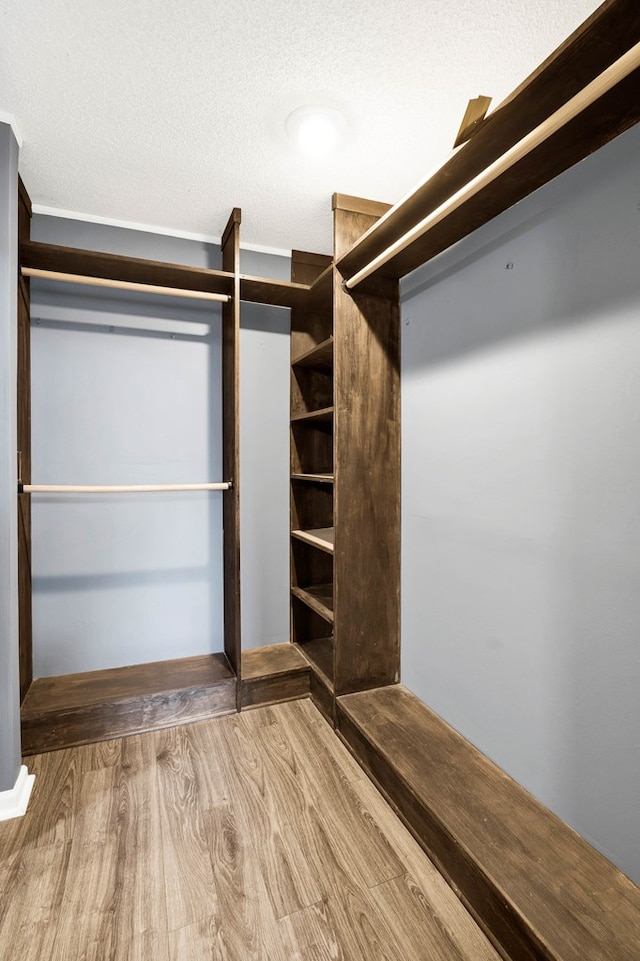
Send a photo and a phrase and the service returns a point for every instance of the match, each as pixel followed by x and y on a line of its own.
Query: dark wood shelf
pixel 276 293
pixel 319 597
pixel 322 416
pixel 314 478
pixel 322 538
pixel 320 357
pixel 575 64
pixel 89 263
pixel 319 653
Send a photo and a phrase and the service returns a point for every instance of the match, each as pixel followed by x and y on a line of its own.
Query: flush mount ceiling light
pixel 316 130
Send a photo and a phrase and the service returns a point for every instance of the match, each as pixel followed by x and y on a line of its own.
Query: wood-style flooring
pixel 252 836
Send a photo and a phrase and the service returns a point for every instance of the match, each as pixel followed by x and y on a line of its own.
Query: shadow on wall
pixel 565 255
pixel 126 389
pixel 521 511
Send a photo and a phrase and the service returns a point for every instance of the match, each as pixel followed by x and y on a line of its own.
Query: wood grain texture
pixel 272 660
pixel 311 322
pixel 72 260
pixel 319 597
pixel 188 872
pixel 273 674
pixel 231 445
pixel 306 267
pixel 205 842
pixel 367 479
pixel 25 625
pixel 93 706
pixel 612 30
pixel 322 695
pixel 290 882
pixel 432 902
pixel 276 293
pixel 538 887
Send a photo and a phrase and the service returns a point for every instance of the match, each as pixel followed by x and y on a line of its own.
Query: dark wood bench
pixel 537 888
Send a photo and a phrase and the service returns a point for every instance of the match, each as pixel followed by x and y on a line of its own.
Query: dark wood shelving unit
pixel 345 457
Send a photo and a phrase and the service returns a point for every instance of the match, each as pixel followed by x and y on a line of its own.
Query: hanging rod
pixel 608 79
pixel 124 285
pixel 119 489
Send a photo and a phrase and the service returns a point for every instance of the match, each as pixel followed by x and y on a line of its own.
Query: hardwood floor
pixel 252 836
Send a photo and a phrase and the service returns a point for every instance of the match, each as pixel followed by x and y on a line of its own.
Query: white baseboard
pixel 13 803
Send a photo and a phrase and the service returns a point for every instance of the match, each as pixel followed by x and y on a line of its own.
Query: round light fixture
pixel 316 130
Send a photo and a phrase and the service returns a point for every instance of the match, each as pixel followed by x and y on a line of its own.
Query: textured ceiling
pixel 169 114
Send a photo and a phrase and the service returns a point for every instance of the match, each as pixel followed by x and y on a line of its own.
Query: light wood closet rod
pixel 613 75
pixel 119 489
pixel 124 285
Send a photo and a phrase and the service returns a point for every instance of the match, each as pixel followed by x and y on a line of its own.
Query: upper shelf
pixel 599 42
pixel 90 263
pixel 319 357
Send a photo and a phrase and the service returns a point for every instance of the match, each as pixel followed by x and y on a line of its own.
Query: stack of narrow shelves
pixel 345 471
pixel 312 475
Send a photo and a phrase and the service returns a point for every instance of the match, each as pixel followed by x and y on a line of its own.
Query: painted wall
pixel 9 674
pixel 127 389
pixel 521 501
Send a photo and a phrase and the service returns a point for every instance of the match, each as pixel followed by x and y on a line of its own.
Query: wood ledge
pixel 538 889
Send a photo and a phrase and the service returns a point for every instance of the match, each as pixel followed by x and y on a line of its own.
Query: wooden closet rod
pixel 608 79
pixel 119 489
pixel 124 285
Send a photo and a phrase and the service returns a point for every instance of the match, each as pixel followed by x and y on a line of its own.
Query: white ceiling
pixel 170 113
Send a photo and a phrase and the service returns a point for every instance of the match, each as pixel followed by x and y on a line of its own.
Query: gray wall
pixel 9 677
pixel 521 502
pixel 126 389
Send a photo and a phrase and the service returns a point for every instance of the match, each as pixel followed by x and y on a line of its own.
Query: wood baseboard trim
pixel 273 674
pixel 538 890
pixel 86 708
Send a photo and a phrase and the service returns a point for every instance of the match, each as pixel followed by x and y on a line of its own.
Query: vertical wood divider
pixel 24 446
pixel 367 468
pixel 231 447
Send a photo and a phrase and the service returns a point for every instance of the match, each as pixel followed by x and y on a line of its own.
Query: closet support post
pixel 24 453
pixel 367 467
pixel 231 445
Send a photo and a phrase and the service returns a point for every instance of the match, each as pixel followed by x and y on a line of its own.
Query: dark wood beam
pixel 605 37
pixel 25 646
pixel 231 444
pixel 90 263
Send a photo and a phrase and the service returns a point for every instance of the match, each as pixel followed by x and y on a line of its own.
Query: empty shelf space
pixel 322 416
pixel 314 478
pixel 322 538
pixel 320 357
pixel 319 653
pixel 319 597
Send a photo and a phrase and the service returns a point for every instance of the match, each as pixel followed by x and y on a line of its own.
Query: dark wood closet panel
pixel 345 464
pixel 24 453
